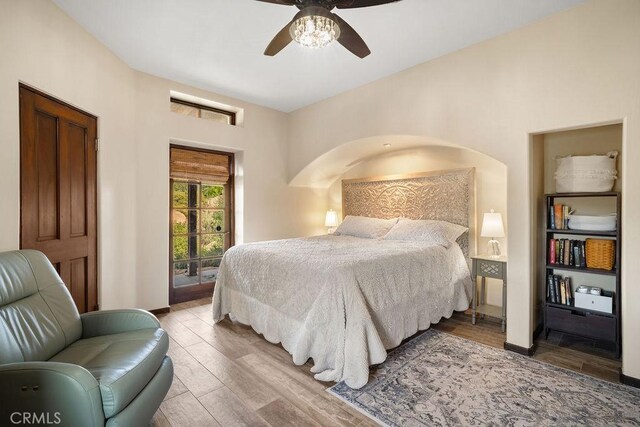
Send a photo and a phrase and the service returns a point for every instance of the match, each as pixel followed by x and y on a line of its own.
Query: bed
pixel 344 301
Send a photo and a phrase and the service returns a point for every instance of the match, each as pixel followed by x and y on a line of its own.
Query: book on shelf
pixel 558 250
pixel 559 290
pixel 561 254
pixel 571 246
pixel 567 252
pixel 551 292
pixel 559 217
pixel 557 210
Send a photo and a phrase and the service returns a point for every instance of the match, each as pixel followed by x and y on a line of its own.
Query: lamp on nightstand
pixel 331 221
pixel 492 227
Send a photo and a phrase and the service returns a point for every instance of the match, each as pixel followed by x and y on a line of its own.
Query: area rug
pixel 438 379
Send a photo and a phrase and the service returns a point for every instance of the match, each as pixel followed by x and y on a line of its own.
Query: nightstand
pixel 494 268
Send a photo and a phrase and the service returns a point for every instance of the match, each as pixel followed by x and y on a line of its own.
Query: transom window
pixel 200 111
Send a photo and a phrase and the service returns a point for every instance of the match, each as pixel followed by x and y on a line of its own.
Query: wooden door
pixel 58 190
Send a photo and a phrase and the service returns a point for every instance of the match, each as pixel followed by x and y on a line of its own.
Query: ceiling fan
pixel 315 26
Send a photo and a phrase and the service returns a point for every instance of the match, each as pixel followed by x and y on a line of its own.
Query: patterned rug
pixel 438 379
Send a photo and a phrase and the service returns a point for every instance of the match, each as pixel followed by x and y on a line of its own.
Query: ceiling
pixel 217 45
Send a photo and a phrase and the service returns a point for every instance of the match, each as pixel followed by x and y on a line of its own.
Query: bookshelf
pixel 567 318
pixel 582 269
pixel 583 232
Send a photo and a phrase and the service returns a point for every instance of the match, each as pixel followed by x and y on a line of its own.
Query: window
pixel 201 220
pixel 187 108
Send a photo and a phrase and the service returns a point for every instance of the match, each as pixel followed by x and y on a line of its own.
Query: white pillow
pixel 437 232
pixel 365 227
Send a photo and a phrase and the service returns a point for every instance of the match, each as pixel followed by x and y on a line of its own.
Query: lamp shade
pixel 492 225
pixel 331 220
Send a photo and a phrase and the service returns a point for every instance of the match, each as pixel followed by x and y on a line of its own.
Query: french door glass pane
pixel 185 221
pixel 185 247
pixel 212 221
pixel 210 268
pixel 212 196
pixel 180 195
pixel 186 273
pixel 211 245
pixel 198 228
pixel 180 248
pixel 179 221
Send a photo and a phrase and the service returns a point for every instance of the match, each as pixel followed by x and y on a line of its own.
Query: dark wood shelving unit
pixel 578 309
pixel 603 194
pixel 584 232
pixel 582 269
pixel 575 320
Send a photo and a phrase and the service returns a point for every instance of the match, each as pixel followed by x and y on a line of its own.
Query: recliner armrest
pixel 47 392
pixel 108 322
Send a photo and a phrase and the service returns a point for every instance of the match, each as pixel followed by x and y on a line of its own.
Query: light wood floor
pixel 231 376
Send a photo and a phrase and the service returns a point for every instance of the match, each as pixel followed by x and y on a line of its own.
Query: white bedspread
pixel 340 300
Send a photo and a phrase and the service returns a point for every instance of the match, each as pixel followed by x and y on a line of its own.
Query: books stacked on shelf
pixel 567 252
pixel 559 217
pixel 559 290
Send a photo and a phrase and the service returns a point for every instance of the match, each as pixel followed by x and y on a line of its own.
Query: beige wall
pixel 490 177
pixel 43 47
pixel 572 69
pixel 538 242
pixel 268 208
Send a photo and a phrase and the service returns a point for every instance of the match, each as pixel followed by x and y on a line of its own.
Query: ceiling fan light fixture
pixel 314 31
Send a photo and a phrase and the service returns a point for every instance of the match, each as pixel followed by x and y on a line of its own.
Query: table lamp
pixel 331 221
pixel 492 227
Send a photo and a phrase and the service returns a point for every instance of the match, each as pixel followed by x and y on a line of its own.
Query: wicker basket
pixel 601 253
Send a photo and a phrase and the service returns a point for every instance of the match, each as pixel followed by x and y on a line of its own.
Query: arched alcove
pixel 326 168
pixel 403 154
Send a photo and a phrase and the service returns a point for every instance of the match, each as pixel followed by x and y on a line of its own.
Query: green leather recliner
pixel 61 368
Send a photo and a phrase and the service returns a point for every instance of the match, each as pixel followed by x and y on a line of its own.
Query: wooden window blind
pixel 202 166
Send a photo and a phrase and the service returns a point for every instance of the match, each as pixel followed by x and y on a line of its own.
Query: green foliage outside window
pixel 210 221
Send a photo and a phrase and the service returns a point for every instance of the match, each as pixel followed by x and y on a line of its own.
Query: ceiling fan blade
pixel 350 39
pixel 280 41
pixel 282 2
pixel 352 4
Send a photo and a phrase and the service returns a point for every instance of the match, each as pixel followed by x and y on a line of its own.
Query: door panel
pixel 77 282
pixel 58 190
pixel 46 140
pixel 77 178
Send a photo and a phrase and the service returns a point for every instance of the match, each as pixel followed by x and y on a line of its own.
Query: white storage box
pixel 602 303
pixel 593 223
pixel 584 174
